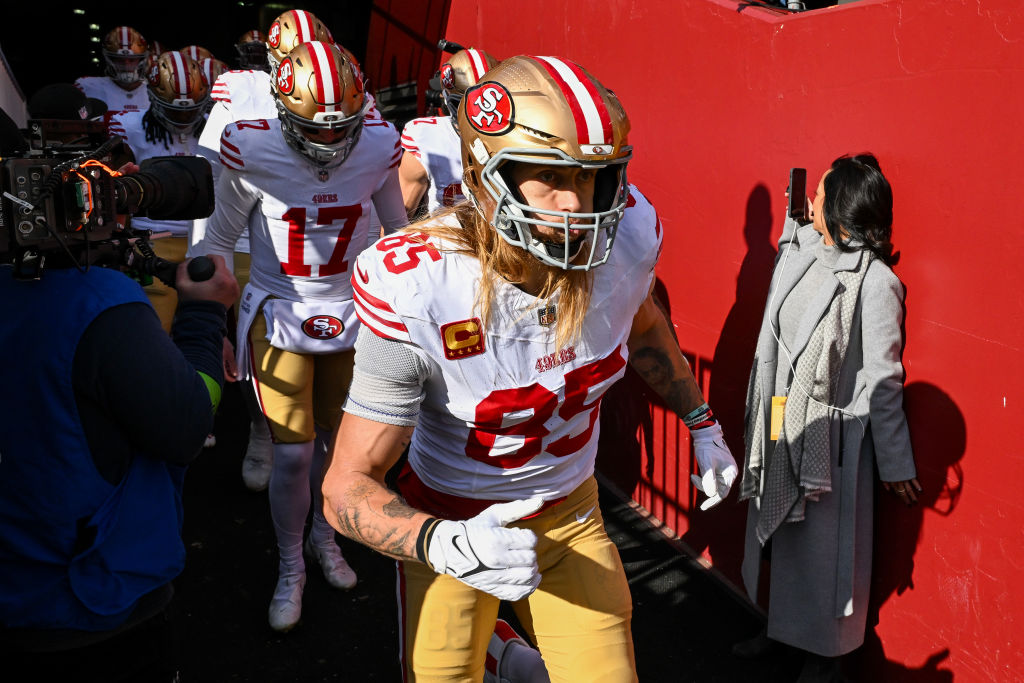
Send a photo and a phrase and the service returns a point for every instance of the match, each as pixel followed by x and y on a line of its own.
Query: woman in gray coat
pixel 824 410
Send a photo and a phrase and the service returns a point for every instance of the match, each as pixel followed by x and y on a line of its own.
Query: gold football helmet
pixel 252 51
pixel 320 102
pixel 178 92
pixel 549 111
pixel 290 30
pixel 462 71
pixel 126 54
pixel 197 52
pixel 212 68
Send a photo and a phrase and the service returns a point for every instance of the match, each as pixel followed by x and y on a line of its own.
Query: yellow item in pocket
pixel 778 410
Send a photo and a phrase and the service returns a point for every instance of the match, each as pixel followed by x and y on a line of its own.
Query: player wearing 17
pixel 495 330
pixel 303 184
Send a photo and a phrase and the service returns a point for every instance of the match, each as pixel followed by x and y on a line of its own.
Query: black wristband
pixel 423 540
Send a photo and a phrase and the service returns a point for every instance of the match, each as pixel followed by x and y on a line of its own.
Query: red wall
pixel 722 103
pixel 402 43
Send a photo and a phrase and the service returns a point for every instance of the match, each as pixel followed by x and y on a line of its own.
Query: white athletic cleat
pixel 286 605
pixel 511 659
pixel 259 458
pixel 335 568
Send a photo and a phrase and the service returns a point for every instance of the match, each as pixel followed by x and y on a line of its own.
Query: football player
pixel 495 329
pixel 251 47
pixel 248 94
pixel 432 165
pixel 126 54
pixel 178 94
pixel 303 184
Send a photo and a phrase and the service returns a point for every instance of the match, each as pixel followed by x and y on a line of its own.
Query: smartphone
pixel 798 193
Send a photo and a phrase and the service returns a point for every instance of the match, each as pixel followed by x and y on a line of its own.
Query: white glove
pixel 717 466
pixel 482 553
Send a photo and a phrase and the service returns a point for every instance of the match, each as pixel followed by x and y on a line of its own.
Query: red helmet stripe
pixel 179 73
pixel 593 124
pixel 602 110
pixel 327 77
pixel 478 63
pixel 126 39
pixel 304 26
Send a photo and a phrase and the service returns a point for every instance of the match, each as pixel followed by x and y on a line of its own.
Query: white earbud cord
pixel 789 358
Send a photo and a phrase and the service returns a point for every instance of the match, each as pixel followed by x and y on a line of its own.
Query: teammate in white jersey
pixel 303 184
pixel 432 164
pixel 242 95
pixel 126 54
pixel 495 330
pixel 178 92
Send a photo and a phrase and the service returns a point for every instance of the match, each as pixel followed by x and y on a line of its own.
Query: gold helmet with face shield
pixel 546 111
pixel 462 71
pixel 251 47
pixel 178 92
pixel 290 30
pixel 126 54
pixel 320 102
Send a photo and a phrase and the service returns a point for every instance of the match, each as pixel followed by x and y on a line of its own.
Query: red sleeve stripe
pixel 230 155
pixel 379 304
pixel 593 123
pixel 377 331
pixel 231 162
pixel 380 318
pixel 229 147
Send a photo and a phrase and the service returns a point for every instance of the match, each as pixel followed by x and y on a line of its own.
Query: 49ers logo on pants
pixel 490 109
pixel 322 327
pixel 462 339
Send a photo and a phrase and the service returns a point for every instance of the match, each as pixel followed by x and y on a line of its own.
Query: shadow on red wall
pixel 939 436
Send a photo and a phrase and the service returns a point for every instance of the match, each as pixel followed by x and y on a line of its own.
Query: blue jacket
pixel 76 552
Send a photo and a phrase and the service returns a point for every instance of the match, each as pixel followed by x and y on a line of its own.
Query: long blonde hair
pixel 474 236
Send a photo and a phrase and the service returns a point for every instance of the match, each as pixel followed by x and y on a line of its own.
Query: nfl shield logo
pixel 546 315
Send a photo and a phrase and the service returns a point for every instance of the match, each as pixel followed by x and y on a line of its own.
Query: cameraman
pixel 100 413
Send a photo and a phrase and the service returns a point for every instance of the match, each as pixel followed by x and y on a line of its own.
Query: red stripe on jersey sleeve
pixel 371 299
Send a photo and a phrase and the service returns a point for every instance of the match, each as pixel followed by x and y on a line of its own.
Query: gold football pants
pixel 579 616
pixel 297 390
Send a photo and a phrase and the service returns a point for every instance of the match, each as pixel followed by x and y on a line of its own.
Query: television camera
pixel 62 205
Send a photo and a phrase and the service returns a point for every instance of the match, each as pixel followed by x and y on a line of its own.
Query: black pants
pixel 145 653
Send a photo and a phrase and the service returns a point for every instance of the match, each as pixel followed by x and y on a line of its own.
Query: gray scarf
pixel 800 467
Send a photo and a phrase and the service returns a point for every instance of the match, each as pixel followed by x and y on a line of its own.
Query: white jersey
pixel 434 141
pixel 305 230
pixel 238 95
pixel 114 96
pixel 241 95
pixel 129 126
pixel 505 414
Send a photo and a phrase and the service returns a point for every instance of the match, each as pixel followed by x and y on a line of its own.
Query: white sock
pixel 289 498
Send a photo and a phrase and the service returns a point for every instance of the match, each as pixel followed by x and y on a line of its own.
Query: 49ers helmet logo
pixel 322 327
pixel 447 76
pixel 286 76
pixel 274 37
pixel 490 109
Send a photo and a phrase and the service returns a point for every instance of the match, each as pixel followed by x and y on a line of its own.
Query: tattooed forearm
pixel 378 518
pixel 673 381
